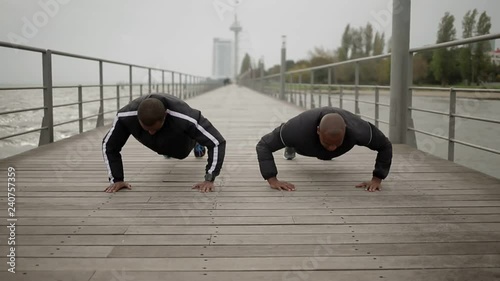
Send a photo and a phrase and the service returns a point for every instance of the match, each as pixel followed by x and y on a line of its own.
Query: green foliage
pixel 378 44
pixel 245 64
pixel 468 27
pixel 444 66
pixel 480 60
pixel 443 61
pixel 368 39
pixel 420 68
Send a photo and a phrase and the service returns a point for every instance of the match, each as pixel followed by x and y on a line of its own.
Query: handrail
pixel 456 89
pixel 21 110
pixel 20 88
pixel 21 47
pixel 456 42
pixel 23 133
pixel 83 118
pixel 182 85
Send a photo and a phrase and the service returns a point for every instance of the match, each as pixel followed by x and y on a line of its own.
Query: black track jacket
pixel 300 133
pixel 181 119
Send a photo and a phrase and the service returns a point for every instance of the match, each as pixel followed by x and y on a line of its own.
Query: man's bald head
pixel 331 131
pixel 332 124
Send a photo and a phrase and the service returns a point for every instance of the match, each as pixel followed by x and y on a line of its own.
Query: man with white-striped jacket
pixel 168 126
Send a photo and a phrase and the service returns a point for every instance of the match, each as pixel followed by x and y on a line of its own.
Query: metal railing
pixel 298 93
pixel 181 85
pixel 452 116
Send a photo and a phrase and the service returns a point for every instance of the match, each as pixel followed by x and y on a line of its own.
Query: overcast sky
pixel 178 34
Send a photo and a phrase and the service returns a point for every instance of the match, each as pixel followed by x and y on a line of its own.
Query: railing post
pixel 312 89
pixel 301 103
pixel 451 122
pixel 171 86
pixel 356 89
pixel 130 83
pixel 320 94
pixel 341 101
pixel 149 80
pixel 261 68
pixel 181 92
pixel 198 86
pixel 190 86
pixel 283 68
pixel 195 85
pixel 117 98
pixel 80 109
pixel 411 138
pixel 47 135
pixel 377 98
pixel 163 81
pixel 100 117
pixel 329 86
pixel 186 85
pixel 399 75
pixel 140 90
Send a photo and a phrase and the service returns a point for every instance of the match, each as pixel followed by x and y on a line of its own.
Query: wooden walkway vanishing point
pixel 433 221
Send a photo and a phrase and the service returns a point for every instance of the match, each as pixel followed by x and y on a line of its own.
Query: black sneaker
pixel 199 150
pixel 289 153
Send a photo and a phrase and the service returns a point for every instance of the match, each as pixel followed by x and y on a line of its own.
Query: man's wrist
pixel 376 179
pixel 209 177
pixel 271 180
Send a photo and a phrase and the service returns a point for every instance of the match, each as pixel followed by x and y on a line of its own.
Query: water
pixel 475 132
pixel 24 121
pixel 480 133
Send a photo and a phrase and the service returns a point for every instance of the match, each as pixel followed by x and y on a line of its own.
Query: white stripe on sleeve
pixel 106 160
pixel 204 132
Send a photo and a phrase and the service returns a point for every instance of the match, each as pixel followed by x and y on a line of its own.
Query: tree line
pixel 468 64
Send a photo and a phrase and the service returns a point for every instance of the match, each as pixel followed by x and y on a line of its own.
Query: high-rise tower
pixel 236 28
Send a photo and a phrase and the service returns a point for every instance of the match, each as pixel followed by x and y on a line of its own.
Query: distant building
pixel 222 59
pixel 495 56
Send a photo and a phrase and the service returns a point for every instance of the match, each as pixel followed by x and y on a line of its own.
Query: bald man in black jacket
pixel 324 133
pixel 168 126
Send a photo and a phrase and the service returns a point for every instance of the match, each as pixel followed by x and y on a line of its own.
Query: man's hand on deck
pixel 371 186
pixel 205 186
pixel 280 185
pixel 114 187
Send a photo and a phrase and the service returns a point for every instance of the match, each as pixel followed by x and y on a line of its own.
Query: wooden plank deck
pixel 434 220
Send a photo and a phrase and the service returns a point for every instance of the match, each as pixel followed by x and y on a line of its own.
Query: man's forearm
pixel 215 159
pixel 114 166
pixel 265 148
pixel 266 161
pixel 383 162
